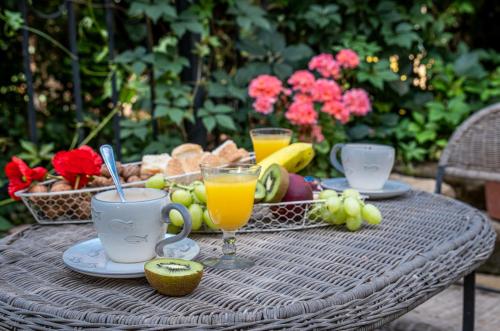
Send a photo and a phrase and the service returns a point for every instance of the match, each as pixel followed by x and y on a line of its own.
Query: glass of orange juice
pixel 266 141
pixel 230 194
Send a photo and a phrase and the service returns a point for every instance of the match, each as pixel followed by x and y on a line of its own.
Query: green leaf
pixel 141 133
pixel 323 147
pixel 5 225
pixel 424 136
pixel 237 92
pixel 360 131
pixel 251 47
pixel 161 111
pixel 282 70
pixel 225 121
pixel 46 149
pixel 222 109
pixel 297 52
pixel 468 65
pixel 13 19
pixel 209 123
pixel 138 67
pixel 418 117
pixel 28 146
pixel 216 90
pixel 176 115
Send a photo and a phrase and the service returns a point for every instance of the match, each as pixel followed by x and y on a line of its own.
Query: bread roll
pixel 230 152
pixel 186 151
pixel 154 164
pixel 174 167
pixel 212 160
pixel 192 164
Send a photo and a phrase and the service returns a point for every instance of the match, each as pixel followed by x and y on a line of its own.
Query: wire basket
pixel 74 206
pixel 282 216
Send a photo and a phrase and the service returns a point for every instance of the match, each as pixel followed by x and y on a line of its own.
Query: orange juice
pixel 230 199
pixel 266 144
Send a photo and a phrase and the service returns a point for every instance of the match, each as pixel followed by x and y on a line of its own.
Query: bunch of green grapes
pixel 192 196
pixel 347 208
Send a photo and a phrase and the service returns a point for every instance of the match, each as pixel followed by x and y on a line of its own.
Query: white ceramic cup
pixel 366 166
pixel 134 231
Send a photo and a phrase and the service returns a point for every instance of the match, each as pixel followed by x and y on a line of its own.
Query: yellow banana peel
pixel 293 158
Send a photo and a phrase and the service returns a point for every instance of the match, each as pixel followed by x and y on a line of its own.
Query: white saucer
pixel 391 189
pixel 88 258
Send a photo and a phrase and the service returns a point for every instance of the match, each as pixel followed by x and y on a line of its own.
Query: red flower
pixel 21 176
pixel 77 165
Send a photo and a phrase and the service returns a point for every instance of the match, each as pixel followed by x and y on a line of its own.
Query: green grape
pixel 208 221
pixel 182 196
pixel 314 214
pixel 325 194
pixel 352 206
pixel 371 214
pixel 354 223
pixel 326 215
pixel 157 181
pixel 333 204
pixel 176 218
pixel 339 217
pixel 196 183
pixel 351 193
pixel 196 213
pixel 200 193
pixel 173 229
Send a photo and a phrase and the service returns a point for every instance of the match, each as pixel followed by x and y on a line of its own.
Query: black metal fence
pixel 195 132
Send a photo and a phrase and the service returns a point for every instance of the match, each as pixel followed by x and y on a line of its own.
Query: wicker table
pixel 323 278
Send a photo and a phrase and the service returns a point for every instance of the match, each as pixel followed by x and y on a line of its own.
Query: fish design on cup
pixel 119 225
pixel 136 239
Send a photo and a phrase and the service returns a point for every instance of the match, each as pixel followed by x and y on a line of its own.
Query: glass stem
pixel 229 245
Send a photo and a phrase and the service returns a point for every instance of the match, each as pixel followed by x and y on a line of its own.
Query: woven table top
pixel 324 278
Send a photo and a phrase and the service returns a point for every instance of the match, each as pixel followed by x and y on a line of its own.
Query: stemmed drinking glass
pixel 230 195
pixel 266 141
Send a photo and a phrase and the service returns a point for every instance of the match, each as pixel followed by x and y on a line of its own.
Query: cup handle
pixel 333 157
pixel 186 229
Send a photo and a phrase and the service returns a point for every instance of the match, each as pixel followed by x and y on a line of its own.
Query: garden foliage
pixel 416 63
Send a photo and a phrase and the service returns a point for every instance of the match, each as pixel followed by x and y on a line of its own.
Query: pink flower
pixel 336 109
pixel 300 97
pixel 265 86
pixel 325 90
pixel 317 133
pixel 357 102
pixel 326 65
pixel 264 105
pixel 347 58
pixel 302 81
pixel 302 113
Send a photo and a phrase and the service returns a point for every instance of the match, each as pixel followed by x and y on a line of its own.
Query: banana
pixel 293 158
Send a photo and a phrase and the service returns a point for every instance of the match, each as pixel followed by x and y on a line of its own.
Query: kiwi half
pixel 173 277
pixel 260 192
pixel 275 181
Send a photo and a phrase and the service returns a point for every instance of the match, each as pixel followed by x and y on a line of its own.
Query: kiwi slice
pixel 275 181
pixel 173 277
pixel 260 192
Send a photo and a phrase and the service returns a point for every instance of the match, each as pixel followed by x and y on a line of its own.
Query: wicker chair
pixel 473 152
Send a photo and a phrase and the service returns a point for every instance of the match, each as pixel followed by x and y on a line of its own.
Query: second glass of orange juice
pixel 230 197
pixel 266 141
